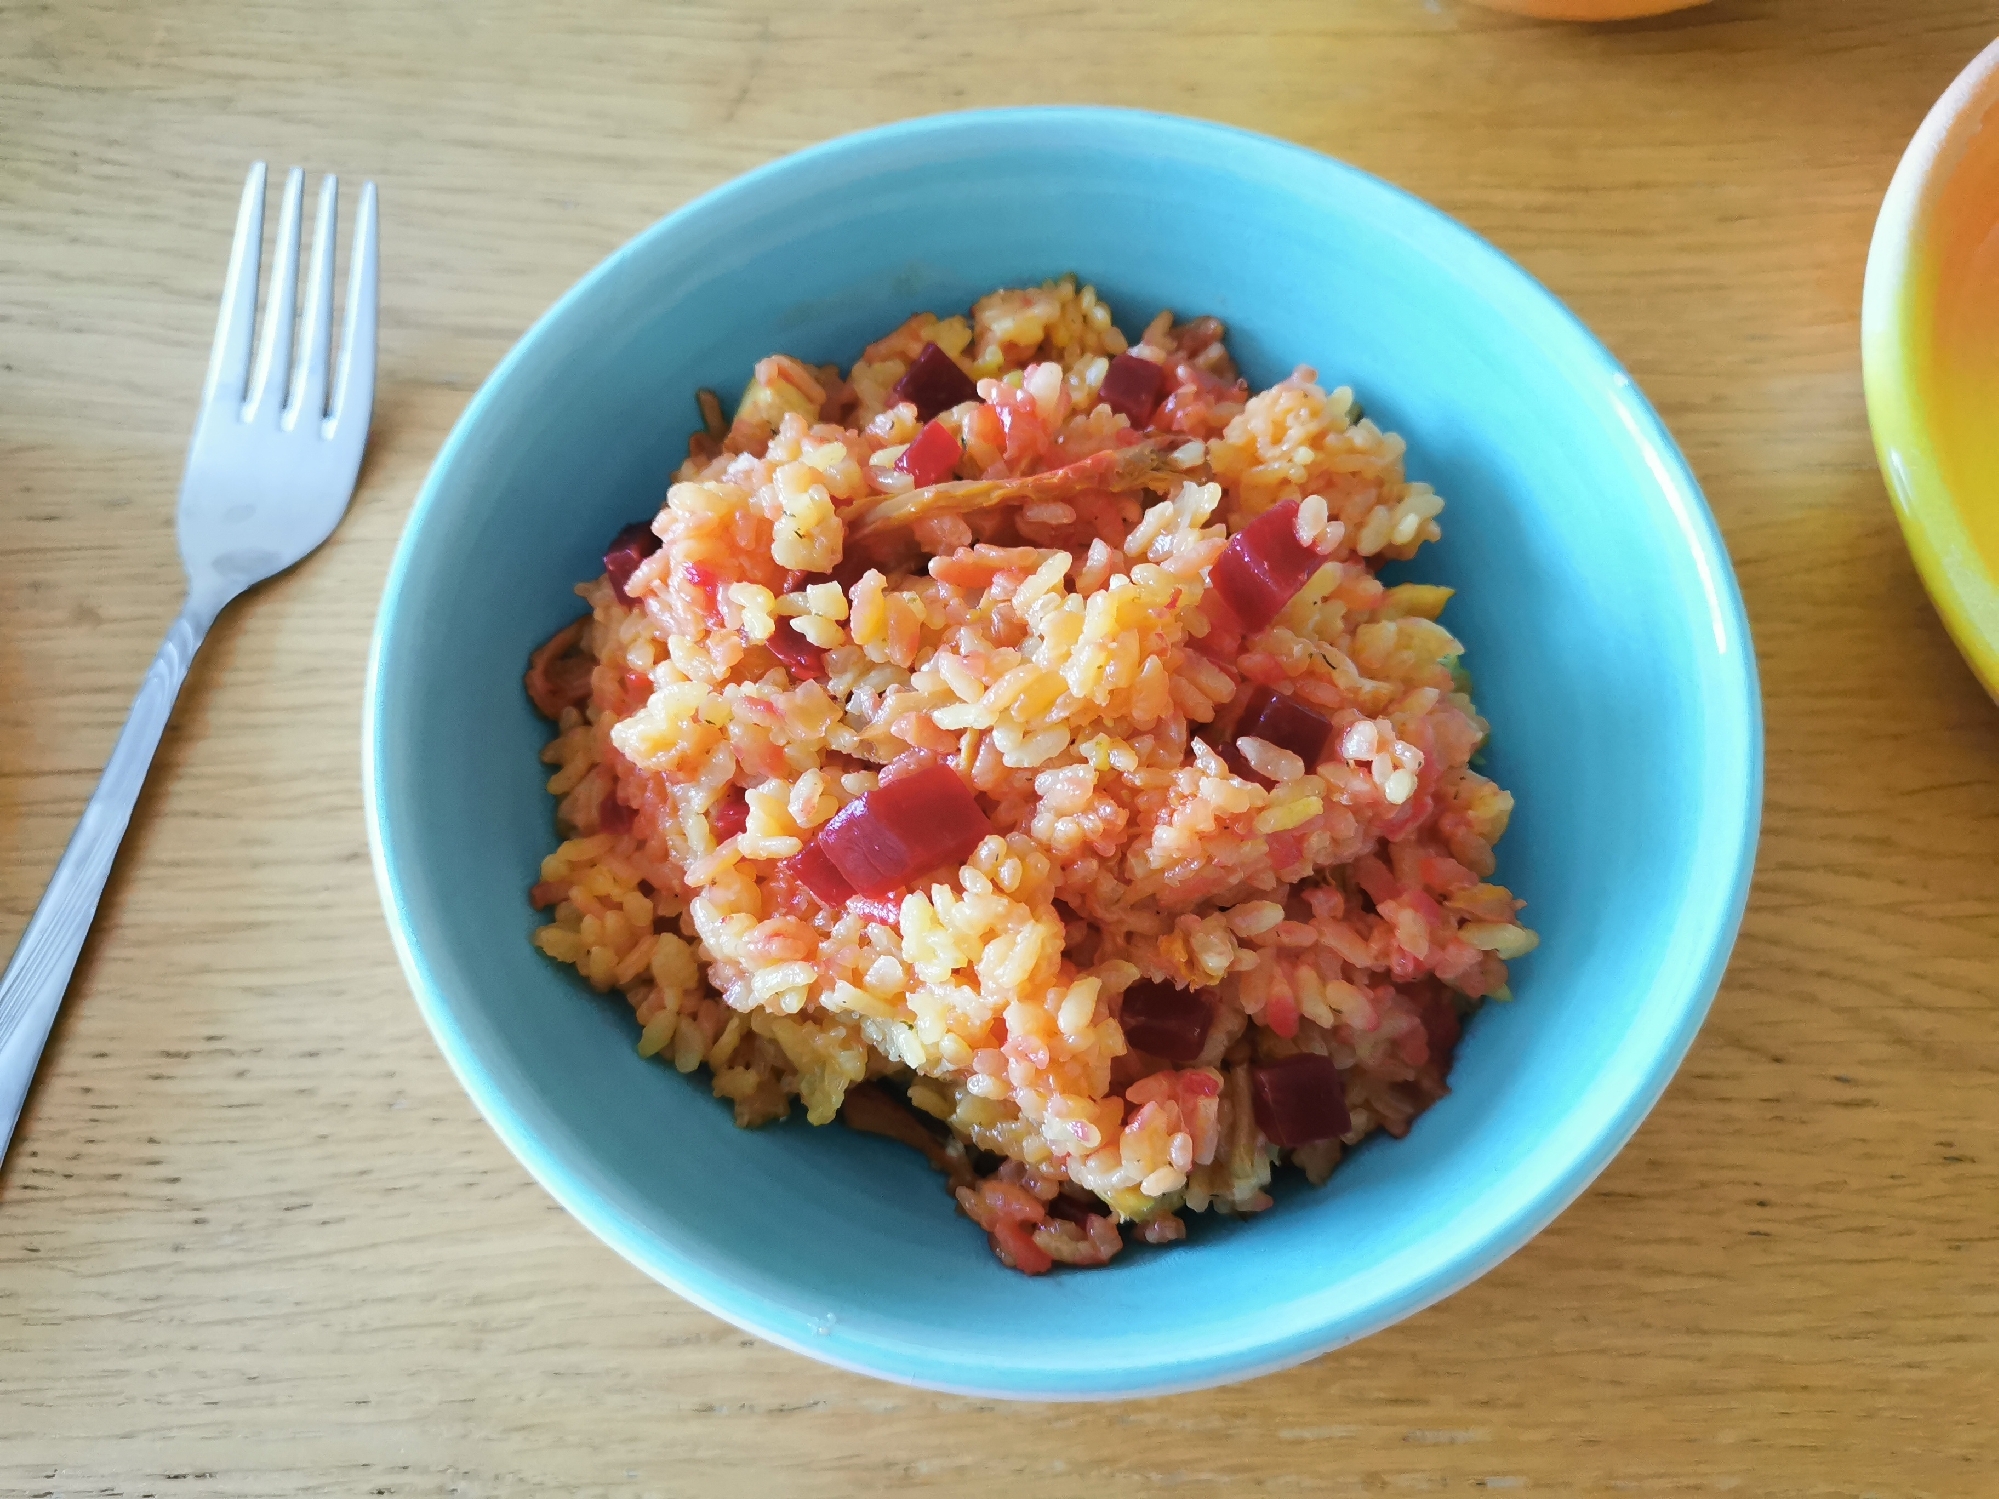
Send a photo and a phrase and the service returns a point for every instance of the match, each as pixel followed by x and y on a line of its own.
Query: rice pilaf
pixel 970 722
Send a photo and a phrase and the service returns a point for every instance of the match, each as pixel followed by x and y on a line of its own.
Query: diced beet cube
pixel 931 457
pixel 728 817
pixel 902 829
pixel 932 384
pixel 629 548
pixel 1287 723
pixel 812 869
pixel 1169 1022
pixel 1263 567
pixel 1132 387
pixel 1441 1026
pixel 800 656
pixel 850 569
pixel 613 816
pixel 1299 1100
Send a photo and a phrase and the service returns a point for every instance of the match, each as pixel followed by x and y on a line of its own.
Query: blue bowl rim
pixel 1616 1119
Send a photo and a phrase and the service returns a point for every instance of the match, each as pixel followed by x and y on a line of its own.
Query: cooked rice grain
pixel 1045 639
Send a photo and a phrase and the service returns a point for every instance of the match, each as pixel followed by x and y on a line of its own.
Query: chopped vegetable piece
pixel 1131 388
pixel 881 842
pixel 1299 1100
pixel 711 414
pixel 1286 723
pixel 728 817
pixel 1441 1026
pixel 812 869
pixel 930 459
pixel 1263 567
pixel 629 548
pixel 1140 466
pixel 559 672
pixel 800 656
pixel 613 816
pixel 933 383
pixel 1169 1022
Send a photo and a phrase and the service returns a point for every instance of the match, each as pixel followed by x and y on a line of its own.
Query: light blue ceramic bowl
pixel 1604 630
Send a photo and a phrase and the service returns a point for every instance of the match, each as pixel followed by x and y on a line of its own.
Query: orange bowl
pixel 1589 10
pixel 1929 338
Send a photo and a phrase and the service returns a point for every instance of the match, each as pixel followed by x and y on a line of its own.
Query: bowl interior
pixel 1604 635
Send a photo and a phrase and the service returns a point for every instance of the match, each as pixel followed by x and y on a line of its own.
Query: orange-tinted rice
pixel 1047 649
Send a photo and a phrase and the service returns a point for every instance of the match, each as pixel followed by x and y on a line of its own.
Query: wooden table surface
pixel 255 1241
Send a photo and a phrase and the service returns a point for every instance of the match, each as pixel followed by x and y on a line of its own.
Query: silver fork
pixel 270 470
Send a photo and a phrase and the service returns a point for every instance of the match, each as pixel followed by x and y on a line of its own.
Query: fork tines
pixel 300 382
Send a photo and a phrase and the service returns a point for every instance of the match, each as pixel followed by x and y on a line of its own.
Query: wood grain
pixel 254 1239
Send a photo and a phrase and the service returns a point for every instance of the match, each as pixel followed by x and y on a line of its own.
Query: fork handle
pixel 32 989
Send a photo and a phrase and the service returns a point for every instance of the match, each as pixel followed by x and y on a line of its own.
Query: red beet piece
pixel 1169 1022
pixel 851 568
pixel 1286 723
pixel 629 548
pixel 613 816
pixel 1132 387
pixel 812 869
pixel 1441 1027
pixel 898 831
pixel 1299 1100
pixel 1263 567
pixel 932 384
pixel 800 656
pixel 930 459
pixel 728 817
